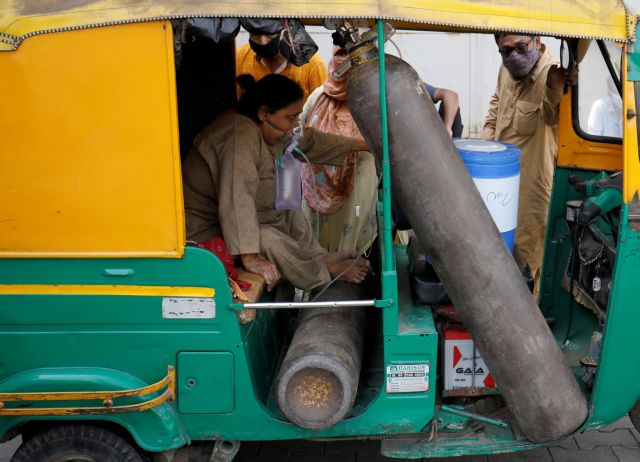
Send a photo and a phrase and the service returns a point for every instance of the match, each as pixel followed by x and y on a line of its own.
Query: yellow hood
pixel 607 19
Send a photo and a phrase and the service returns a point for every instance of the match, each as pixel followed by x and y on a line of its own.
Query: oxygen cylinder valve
pixel 345 33
pixel 352 40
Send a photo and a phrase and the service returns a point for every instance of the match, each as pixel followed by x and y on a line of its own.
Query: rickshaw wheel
pixel 76 443
pixel 634 415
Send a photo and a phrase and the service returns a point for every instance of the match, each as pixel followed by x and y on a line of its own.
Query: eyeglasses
pixel 520 48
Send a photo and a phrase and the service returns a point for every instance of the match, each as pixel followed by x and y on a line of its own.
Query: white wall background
pixel 465 63
pixel 634 4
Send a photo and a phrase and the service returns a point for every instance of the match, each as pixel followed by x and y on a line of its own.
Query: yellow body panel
pixel 122 290
pixel 89 157
pixel 587 18
pixel 167 381
pixel 574 151
pixel 631 177
pixel 168 395
pixel 107 397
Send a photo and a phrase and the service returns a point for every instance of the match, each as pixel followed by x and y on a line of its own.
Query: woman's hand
pixel 256 263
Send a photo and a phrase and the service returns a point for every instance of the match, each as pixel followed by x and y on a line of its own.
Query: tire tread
pixel 43 446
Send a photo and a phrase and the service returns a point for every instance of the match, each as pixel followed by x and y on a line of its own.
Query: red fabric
pixel 218 247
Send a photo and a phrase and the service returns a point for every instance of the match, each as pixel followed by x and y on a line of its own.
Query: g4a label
pixel 469 371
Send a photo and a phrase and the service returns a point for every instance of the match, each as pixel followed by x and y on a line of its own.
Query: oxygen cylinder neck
pixel 362 54
pixel 358 55
pixel 361 47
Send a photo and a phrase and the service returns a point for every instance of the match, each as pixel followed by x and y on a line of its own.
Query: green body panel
pixel 496 441
pixel 617 385
pixel 128 334
pixel 633 61
pixel 257 417
pixel 572 325
pixel 154 430
pixel 386 235
pixel 205 383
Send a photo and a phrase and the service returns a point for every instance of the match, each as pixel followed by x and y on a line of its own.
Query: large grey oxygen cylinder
pixel 434 189
pixel 318 380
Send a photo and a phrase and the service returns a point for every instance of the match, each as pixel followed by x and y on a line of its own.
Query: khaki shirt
pixel 229 181
pixel 525 113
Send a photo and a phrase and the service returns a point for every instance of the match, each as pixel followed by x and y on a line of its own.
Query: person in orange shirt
pixel 261 57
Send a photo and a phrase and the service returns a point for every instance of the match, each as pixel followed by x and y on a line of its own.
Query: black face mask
pixel 266 51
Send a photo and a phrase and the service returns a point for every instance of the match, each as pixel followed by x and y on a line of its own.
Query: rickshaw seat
pixel 257 285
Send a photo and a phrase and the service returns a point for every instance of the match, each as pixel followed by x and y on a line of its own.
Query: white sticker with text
pixel 188 308
pixel 407 378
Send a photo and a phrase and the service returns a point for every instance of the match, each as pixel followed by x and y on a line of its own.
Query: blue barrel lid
pixel 483 152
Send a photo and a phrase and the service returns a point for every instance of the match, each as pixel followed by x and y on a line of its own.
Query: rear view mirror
pixel 567 60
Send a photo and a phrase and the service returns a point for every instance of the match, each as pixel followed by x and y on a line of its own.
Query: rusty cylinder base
pixel 318 380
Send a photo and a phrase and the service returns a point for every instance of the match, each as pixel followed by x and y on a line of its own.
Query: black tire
pixel 76 443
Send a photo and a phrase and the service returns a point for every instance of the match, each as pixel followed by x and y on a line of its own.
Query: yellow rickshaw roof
pixel 606 19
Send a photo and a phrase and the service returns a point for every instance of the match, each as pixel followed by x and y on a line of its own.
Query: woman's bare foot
pixel 351 270
pixel 331 257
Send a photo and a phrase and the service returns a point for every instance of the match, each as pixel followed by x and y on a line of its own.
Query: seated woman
pixel 340 202
pixel 229 188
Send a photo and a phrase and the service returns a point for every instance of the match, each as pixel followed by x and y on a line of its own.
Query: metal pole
pixel 328 304
pixel 460 413
pixel 386 172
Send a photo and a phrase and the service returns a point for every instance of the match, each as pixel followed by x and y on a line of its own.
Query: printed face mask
pixel 266 51
pixel 520 64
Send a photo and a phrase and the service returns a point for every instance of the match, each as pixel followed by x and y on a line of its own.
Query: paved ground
pixel 619 442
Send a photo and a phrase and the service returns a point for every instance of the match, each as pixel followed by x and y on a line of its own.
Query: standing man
pixel 524 111
pixel 261 57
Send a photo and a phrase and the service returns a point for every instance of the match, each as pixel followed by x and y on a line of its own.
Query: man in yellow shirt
pixel 524 111
pixel 261 56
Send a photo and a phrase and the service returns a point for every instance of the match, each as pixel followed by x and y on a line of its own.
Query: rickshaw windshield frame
pixel 575 100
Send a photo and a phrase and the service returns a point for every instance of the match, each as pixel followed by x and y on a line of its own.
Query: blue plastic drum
pixel 495 169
